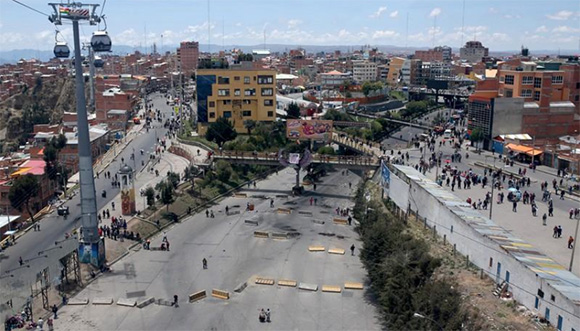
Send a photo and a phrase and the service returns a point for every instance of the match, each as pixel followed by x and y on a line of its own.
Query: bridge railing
pixel 317 158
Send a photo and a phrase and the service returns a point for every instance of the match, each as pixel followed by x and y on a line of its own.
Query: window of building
pixel 267 91
pixel 227 102
pixel 268 102
pixel 265 79
pixel 552 297
pixel 500 92
pixel 237 92
pixel 246 113
pixel 223 80
pixel 236 77
pixel 501 79
pixel 527 80
pixel 212 104
pixel 247 102
pixel 227 114
pixel 250 91
pixel 509 79
pixel 224 92
pixel 270 114
pixel 577 98
pixel 537 82
pixel 246 80
pixel 537 96
pixel 211 115
pixel 557 80
pixel 509 93
pixel 526 93
pixel 490 262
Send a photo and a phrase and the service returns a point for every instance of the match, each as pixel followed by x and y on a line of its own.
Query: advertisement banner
pixel 317 130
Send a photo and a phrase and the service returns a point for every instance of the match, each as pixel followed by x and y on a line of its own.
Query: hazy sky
pixel 500 25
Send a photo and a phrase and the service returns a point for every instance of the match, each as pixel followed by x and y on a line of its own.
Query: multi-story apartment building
pixel 188 56
pixel 525 98
pixel 473 51
pixel 237 95
pixel 363 71
pixel 394 72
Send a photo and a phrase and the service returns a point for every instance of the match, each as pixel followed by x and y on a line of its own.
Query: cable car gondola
pixel 101 42
pixel 61 50
pixel 98 63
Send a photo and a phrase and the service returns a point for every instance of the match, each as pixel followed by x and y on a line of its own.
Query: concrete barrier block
pixel 224 295
pixel 308 287
pixel 241 287
pixel 77 302
pixel 338 251
pixel 102 301
pixel 250 222
pixel 316 248
pixel 340 221
pixel 305 213
pixel 279 235
pixel 287 282
pixel 353 286
pixel 318 222
pixel 264 281
pixel 145 303
pixel 284 211
pixel 240 195
pixel 126 302
pixel 261 234
pixel 197 296
pixel 163 302
pixel 231 213
pixel 331 288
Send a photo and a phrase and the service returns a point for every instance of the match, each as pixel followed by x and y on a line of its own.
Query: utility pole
pixel 91 246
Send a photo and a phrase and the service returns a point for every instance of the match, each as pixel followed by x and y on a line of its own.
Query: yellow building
pixel 395 66
pixel 236 94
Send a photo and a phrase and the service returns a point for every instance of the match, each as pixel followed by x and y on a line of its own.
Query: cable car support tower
pixel 91 246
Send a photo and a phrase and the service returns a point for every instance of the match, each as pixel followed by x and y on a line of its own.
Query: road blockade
pixel 338 251
pixel 102 301
pixel 331 288
pixel 261 234
pixel 145 302
pixel 77 302
pixel 197 296
pixel 264 281
pixel 240 195
pixel 279 235
pixel 250 222
pixel 287 282
pixel 126 302
pixel 316 248
pixel 353 286
pixel 340 221
pixel 224 295
pixel 284 211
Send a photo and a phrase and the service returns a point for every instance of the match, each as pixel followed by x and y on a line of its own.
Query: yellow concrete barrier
pixel 261 234
pixel 240 195
pixel 220 294
pixel 287 282
pixel 340 221
pixel 264 281
pixel 284 211
pixel 353 286
pixel 197 296
pixel 338 251
pixel 331 288
pixel 316 248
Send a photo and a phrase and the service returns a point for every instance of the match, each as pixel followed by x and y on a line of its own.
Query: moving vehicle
pixel 447 133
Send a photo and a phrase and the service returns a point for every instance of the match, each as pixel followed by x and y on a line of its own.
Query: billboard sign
pixel 318 130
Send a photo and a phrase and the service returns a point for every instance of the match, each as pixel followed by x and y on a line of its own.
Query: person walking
pixel 515 207
pixel 551 211
pixel 54 311
pixel 175 301
pixel 352 250
pixel 20 261
pixel 204 262
pixel 555 234
pixel 559 231
pixel 544 218
pixel 570 242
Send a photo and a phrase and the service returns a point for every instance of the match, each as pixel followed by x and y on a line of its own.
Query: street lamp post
pixel 417 315
pixel 577 217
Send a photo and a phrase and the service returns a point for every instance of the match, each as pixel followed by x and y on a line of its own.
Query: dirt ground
pixel 494 313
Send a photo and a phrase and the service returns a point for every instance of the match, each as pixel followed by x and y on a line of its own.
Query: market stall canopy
pixel 524 149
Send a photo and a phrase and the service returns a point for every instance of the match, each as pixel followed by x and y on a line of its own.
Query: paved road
pixel 522 223
pixel 236 256
pixel 53 227
pixel 401 138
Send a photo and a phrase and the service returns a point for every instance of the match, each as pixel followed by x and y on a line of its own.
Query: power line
pixel 103 7
pixel 27 6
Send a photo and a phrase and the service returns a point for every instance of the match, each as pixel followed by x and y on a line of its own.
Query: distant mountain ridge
pixel 13 56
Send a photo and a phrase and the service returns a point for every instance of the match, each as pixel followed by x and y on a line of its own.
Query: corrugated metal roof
pixel 561 279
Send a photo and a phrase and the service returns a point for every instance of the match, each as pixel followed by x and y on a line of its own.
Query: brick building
pixel 188 56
